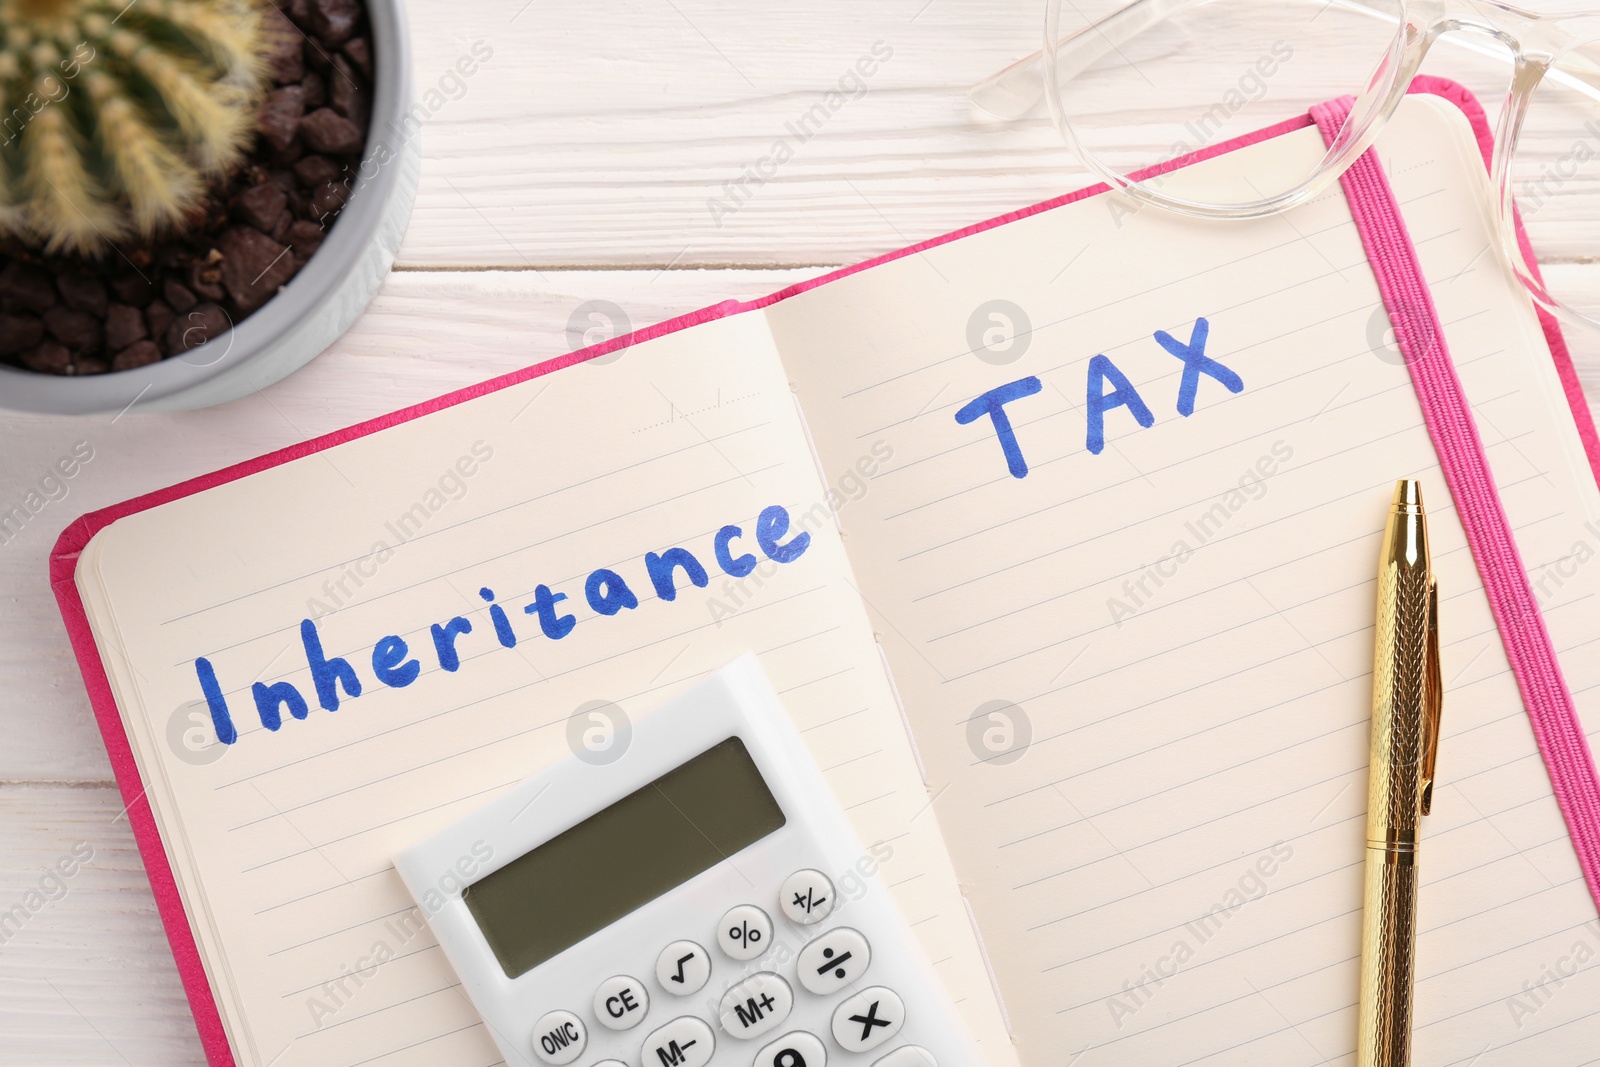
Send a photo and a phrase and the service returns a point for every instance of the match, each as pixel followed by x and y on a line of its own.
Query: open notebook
pixel 1097 689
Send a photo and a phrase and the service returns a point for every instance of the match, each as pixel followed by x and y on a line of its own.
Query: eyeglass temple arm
pixel 1013 92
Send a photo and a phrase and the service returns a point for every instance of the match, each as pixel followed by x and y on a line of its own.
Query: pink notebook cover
pixel 64 558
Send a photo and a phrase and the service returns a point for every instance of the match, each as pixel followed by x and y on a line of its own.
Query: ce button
pixel 621 1003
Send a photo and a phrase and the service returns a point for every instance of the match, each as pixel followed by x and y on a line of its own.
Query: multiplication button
pixel 559 1037
pixel 868 1019
pixel 682 968
pixel 833 961
pixel 745 932
pixel 684 1042
pixel 756 1006
pixel 806 897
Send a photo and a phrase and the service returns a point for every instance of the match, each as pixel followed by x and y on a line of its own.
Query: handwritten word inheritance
pixel 391 663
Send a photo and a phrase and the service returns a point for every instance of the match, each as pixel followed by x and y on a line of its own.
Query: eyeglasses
pixel 1134 85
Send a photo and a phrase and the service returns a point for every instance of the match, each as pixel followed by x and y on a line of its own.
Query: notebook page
pixel 282 840
pixel 1139 675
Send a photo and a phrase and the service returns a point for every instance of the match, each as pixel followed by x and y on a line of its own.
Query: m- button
pixel 559 1037
pixel 621 1002
pixel 684 1042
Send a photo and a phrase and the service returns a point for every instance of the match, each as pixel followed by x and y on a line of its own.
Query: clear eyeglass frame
pixel 1541 47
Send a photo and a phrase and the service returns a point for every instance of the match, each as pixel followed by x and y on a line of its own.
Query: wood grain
pixel 579 162
pixel 598 134
pixel 86 976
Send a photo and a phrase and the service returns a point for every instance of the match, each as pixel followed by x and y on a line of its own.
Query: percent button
pixel 745 932
pixel 834 960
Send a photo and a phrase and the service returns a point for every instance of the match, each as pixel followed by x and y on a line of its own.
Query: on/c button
pixel 621 1003
pixel 559 1037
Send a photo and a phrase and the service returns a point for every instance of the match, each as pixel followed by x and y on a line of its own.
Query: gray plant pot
pixel 317 306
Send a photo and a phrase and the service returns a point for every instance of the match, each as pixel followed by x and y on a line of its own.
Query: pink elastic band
pixel 1466 470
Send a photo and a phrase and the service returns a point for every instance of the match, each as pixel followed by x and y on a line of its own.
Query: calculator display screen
pixel 621 858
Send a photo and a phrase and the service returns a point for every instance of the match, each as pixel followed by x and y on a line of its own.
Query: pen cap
pixel 1408 493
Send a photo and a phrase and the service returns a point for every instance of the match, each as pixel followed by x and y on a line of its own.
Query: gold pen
pixel 1406 702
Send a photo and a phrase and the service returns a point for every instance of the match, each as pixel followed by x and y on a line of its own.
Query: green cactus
pixel 114 115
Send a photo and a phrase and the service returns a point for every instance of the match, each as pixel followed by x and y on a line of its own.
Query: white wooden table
pixel 577 165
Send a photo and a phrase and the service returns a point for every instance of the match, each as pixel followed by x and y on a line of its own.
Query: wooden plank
pixel 86 976
pixel 602 135
pixel 1579 283
pixel 605 134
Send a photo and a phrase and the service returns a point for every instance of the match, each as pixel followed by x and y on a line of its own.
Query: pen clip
pixel 1433 700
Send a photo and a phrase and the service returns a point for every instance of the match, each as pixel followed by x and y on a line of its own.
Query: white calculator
pixel 701 900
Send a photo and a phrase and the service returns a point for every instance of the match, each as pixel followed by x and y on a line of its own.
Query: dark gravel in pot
pixel 137 304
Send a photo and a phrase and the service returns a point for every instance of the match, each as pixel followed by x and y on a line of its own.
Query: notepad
pixel 1077 623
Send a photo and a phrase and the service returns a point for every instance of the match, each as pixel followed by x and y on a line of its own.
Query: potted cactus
pixel 196 196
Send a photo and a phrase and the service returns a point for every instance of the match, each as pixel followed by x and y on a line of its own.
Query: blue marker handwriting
pixel 605 591
pixel 1106 390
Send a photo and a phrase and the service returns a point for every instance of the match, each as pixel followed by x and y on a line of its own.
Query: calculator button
pixel 683 967
pixel 836 959
pixel 620 1003
pixel 904 1056
pixel 798 1049
pixel 756 1006
pixel 745 932
pixel 806 897
pixel 684 1042
pixel 559 1037
pixel 868 1019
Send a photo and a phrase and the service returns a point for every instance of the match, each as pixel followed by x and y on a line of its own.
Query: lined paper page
pixel 282 841
pixel 1140 678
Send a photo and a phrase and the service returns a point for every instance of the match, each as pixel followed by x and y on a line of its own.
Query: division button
pixel 621 1002
pixel 798 1049
pixel 684 1042
pixel 559 1037
pixel 806 897
pixel 745 932
pixel 756 1006
pixel 868 1019
pixel 904 1056
pixel 836 959
pixel 682 968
